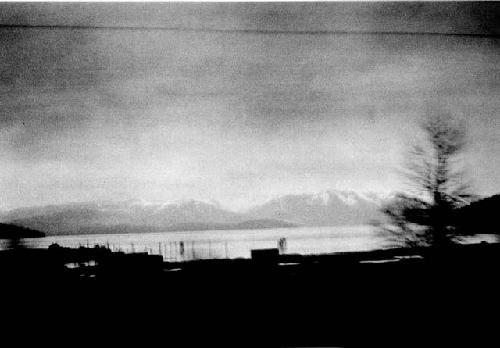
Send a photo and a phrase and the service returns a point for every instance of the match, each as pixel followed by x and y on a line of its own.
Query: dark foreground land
pixel 394 297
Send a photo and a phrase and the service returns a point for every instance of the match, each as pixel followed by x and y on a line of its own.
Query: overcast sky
pixel 260 100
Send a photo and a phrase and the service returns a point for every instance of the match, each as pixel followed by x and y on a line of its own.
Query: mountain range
pixel 330 208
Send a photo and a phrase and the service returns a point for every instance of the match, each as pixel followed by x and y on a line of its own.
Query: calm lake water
pixel 230 244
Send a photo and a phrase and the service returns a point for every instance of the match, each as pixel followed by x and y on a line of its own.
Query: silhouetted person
pixel 181 248
pixel 282 245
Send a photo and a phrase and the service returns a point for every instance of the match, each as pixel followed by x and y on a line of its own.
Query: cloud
pixel 232 116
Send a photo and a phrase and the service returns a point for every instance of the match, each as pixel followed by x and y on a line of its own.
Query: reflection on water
pixel 178 246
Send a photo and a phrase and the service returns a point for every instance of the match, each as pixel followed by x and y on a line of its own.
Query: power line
pixel 243 31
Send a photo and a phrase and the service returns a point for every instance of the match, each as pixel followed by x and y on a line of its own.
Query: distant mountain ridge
pixel 114 217
pixel 480 216
pixel 326 208
pixel 9 231
pixel 329 208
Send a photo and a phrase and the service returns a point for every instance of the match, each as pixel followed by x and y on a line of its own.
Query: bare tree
pixel 427 216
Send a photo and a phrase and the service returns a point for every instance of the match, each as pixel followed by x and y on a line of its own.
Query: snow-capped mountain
pixel 128 215
pixel 326 208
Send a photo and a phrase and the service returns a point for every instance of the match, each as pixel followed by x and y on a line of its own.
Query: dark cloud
pixel 52 59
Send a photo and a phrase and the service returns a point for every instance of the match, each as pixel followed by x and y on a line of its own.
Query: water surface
pixel 234 243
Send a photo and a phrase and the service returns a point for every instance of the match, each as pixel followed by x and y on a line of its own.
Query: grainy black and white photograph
pixel 284 174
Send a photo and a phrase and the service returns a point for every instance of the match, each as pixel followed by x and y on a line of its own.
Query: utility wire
pixel 243 31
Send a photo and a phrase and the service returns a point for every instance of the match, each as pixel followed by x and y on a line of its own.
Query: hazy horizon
pixel 237 103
